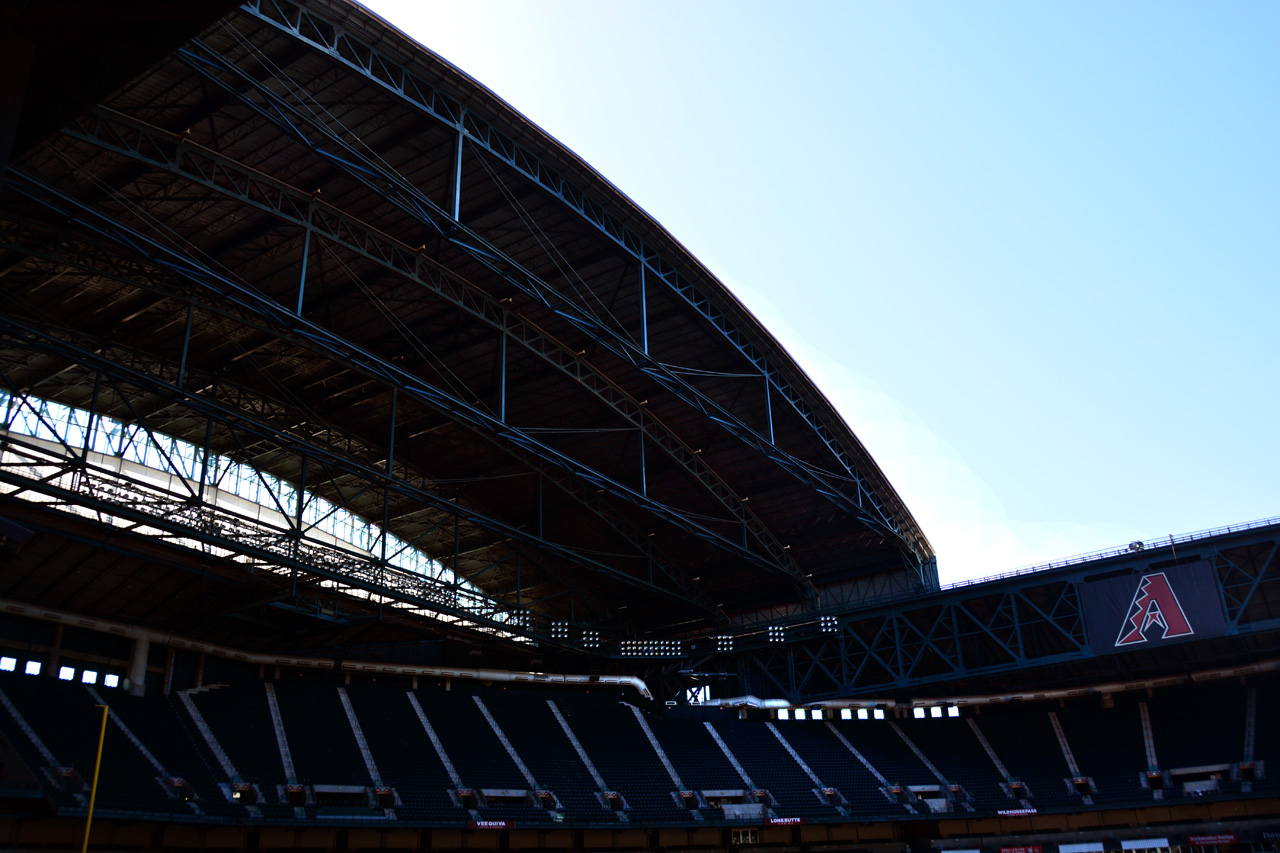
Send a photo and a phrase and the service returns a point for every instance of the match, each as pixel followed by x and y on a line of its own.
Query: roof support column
pixel 644 475
pixel 768 406
pixel 93 415
pixel 644 313
pixel 502 376
pixel 457 175
pixel 138 666
pixel 306 253
pixel 186 347
pixel 386 494
pixel 204 451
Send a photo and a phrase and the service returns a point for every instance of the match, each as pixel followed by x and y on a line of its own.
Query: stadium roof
pixel 300 242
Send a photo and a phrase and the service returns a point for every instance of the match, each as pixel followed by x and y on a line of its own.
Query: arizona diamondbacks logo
pixel 1153 604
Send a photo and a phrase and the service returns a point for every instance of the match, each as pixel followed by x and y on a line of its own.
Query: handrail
pixel 891 597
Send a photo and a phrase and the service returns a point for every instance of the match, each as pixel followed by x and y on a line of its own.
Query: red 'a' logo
pixel 1153 604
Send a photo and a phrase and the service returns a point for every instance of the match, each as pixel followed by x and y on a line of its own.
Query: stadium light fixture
pixel 936 712
pixel 110 680
pixel 847 713
pixel 784 713
pixel 32 668
pixel 8 664
pixel 777 634
pixel 66 673
pixel 878 713
pixel 862 714
pixel 953 711
pixel 88 677
pixel 828 624
pixel 918 713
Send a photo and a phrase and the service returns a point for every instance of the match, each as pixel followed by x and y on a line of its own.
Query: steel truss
pixel 182 159
pixel 67 477
pixel 1021 624
pixel 331 38
pixel 209 291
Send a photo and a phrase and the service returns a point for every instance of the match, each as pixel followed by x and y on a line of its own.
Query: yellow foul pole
pixel 97 764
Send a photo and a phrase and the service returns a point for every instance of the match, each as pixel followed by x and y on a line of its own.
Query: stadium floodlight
pixel 815 714
pixel 66 673
pixel 878 713
pixel 862 714
pixel 918 713
pixel 110 680
pixel 777 634
pixel 935 711
pixel 32 668
pixel 784 713
pixel 88 677
pixel 724 643
pixel 828 624
pixel 801 714
pixel 953 711
pixel 847 713
pixel 8 664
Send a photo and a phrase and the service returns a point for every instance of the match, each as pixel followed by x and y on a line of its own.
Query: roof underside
pixel 496 353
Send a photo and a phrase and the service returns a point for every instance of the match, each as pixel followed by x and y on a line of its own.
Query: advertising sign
pixel 1149 609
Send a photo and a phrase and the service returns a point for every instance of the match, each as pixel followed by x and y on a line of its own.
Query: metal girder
pixel 1243 574
pixel 986 629
pixel 167 152
pixel 866 505
pixel 576 480
pixel 106 361
pixel 332 38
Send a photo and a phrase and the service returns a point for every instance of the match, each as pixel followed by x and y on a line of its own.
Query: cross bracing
pixel 302 243
pixel 1031 624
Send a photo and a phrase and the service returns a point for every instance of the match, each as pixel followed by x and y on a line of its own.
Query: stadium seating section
pixel 451 753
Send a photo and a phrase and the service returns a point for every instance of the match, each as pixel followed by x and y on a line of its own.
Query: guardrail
pixel 890 598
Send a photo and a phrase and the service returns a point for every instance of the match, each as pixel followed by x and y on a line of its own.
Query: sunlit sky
pixel 1031 251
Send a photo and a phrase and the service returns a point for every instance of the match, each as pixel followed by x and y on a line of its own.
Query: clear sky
pixel 1031 251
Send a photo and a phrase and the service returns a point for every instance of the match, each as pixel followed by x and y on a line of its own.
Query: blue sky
pixel 1031 251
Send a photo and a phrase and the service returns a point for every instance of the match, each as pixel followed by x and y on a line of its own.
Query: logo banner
pixel 1141 611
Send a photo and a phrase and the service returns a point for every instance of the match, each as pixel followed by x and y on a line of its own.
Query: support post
pixel 93 416
pixel 208 440
pixel 768 406
pixel 457 176
pixel 644 475
pixel 644 312
pixel 97 765
pixel 306 253
pixel 186 347
pixel 502 375
pixel 138 666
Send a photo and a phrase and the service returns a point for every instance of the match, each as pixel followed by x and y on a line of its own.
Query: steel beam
pixel 165 151
pixel 332 38
pixel 581 483
pixel 865 505
pixel 1022 624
